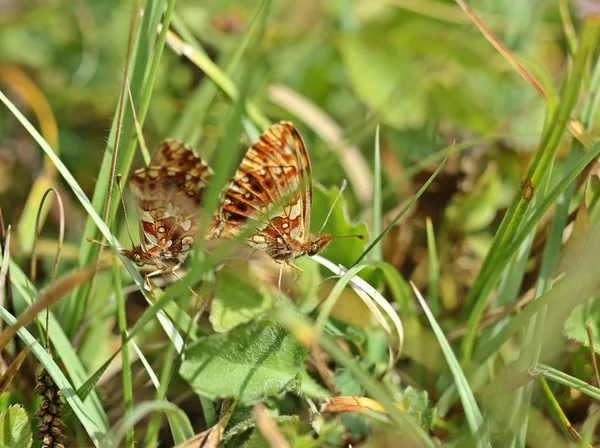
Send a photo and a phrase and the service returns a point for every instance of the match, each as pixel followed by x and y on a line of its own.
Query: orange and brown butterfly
pixel 272 191
pixel 169 193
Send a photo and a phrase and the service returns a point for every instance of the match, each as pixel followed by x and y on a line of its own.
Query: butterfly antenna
pixel 92 240
pixel 359 236
pixel 342 188
pixel 119 178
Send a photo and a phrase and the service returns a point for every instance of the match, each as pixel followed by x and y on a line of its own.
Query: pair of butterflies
pixel 270 191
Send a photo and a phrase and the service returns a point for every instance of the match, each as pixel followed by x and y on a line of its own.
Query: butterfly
pixel 272 192
pixel 169 194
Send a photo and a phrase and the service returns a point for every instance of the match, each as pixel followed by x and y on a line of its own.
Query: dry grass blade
pixel 512 60
pixel 351 404
pixel 197 441
pixel 354 164
pixel 268 428
pixel 5 287
pixel 212 437
pixel 588 326
pixel 12 369
pixel 61 235
pixel 47 299
pixel 61 238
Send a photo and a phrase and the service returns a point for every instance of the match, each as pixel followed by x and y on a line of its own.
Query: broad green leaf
pixel 252 362
pixel 575 325
pixel 15 429
pixel 239 298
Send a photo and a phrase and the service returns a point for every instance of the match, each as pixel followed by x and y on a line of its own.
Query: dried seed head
pixel 50 411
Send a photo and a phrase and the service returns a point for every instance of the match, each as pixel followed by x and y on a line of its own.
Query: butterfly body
pixel 169 193
pixel 271 192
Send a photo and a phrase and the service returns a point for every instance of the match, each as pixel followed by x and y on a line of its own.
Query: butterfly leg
pixel 189 287
pixel 300 273
pixel 147 281
pixel 280 277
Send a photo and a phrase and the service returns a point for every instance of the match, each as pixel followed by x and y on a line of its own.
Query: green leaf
pixel 343 251
pixel 575 325
pixel 252 362
pixel 417 404
pixel 15 429
pixel 471 409
pixel 239 298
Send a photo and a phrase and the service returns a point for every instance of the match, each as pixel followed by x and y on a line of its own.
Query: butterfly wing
pixel 271 191
pixel 168 194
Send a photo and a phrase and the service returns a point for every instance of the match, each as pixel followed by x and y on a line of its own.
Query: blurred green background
pixel 418 68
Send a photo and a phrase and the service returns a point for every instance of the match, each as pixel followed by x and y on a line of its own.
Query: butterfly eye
pixel 314 248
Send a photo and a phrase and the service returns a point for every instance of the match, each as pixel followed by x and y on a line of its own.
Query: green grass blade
pixel 88 386
pixel 350 277
pixel 219 77
pixel 126 367
pixel 503 256
pixel 402 212
pixel 472 412
pixel 188 126
pixel 533 341
pixel 139 66
pixel 531 183
pixel 114 437
pixel 434 270
pixel 567 380
pixel 571 287
pixel 62 347
pixel 377 251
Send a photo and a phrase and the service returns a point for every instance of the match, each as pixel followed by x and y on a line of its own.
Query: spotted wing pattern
pixel 271 191
pixel 168 193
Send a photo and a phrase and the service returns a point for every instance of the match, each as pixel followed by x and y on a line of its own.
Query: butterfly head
pixel 138 255
pixel 318 244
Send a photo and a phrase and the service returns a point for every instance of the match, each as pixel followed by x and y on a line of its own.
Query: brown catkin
pixel 50 412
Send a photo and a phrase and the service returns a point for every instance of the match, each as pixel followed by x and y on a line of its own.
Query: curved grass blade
pixel 472 412
pixel 348 276
pixel 116 434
